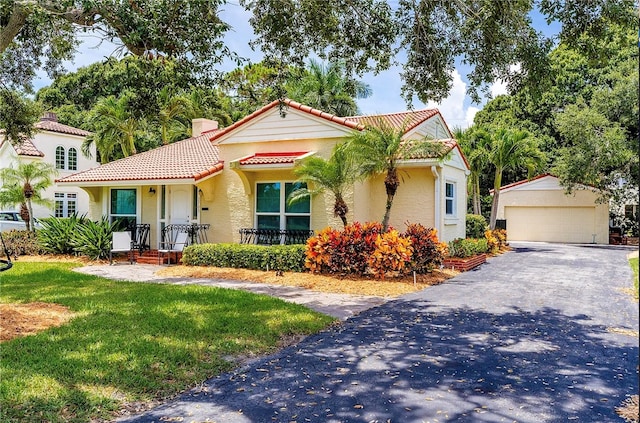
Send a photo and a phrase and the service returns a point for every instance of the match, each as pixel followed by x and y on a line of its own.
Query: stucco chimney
pixel 49 116
pixel 200 125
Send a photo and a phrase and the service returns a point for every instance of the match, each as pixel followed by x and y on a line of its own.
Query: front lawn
pixel 129 342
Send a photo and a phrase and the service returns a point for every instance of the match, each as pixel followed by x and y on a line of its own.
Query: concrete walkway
pixel 541 334
pixel 340 306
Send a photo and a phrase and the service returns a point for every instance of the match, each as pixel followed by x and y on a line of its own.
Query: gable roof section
pixel 25 148
pixel 409 119
pixel 191 159
pixel 272 158
pixel 546 181
pixel 54 126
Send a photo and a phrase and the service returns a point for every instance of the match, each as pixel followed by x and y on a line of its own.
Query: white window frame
pixel 75 159
pixel 452 199
pixel 65 199
pixel 61 160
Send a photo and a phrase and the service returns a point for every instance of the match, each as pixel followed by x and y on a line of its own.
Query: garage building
pixel 540 210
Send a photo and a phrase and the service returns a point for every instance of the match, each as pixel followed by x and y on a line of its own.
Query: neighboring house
pixel 61 146
pixel 540 210
pixel 238 177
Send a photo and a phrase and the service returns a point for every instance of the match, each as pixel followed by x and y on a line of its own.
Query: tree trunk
pixel 391 184
pixel 477 202
pixel 497 181
pixel 340 209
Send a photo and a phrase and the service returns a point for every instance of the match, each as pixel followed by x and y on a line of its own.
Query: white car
pixel 10 220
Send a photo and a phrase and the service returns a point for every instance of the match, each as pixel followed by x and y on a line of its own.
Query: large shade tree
pixel 23 185
pixel 381 148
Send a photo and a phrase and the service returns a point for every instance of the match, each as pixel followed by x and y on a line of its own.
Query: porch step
pixel 151 257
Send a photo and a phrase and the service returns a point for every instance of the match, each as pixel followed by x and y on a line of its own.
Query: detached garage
pixel 539 210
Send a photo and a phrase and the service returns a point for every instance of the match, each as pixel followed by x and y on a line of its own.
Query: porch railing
pixel 140 236
pixel 197 232
pixel 274 236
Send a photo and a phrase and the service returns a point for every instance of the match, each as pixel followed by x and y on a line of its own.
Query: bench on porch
pixel 274 236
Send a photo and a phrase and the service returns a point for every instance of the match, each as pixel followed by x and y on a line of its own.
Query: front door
pixel 180 204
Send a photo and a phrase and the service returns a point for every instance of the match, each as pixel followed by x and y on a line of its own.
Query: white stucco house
pixel 234 179
pixel 61 146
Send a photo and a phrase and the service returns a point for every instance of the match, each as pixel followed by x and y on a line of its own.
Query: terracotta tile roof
pixel 53 126
pixel 26 148
pixel 409 119
pixel 271 158
pixel 193 158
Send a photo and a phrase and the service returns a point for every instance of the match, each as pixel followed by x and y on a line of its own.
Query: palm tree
pixel 24 185
pixel 474 143
pixel 114 126
pixel 173 115
pixel 335 174
pixel 380 148
pixel 512 149
pixel 325 87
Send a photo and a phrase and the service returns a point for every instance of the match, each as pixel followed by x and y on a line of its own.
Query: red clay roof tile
pixel 193 158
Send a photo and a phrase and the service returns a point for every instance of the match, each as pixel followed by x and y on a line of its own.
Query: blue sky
pixel 457 109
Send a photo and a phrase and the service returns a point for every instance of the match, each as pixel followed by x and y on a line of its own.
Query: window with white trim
pixel 273 210
pixel 123 205
pixel 450 199
pixel 72 159
pixel 65 204
pixel 60 157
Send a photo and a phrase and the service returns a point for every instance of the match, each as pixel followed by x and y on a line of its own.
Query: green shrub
pixel 428 251
pixel 57 233
pixel 20 243
pixel 93 239
pixel 476 226
pixel 288 258
pixel 467 247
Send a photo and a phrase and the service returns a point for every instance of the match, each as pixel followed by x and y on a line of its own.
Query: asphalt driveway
pixel 541 334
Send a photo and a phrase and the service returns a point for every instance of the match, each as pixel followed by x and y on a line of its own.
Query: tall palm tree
pixel 173 116
pixel 335 174
pixel 114 126
pixel 474 143
pixel 380 148
pixel 24 185
pixel 325 87
pixel 512 149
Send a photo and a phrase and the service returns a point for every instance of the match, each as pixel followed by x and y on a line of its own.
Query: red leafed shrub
pixel 342 252
pixel 428 251
pixel 392 254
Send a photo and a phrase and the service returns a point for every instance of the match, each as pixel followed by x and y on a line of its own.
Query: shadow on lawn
pixel 411 361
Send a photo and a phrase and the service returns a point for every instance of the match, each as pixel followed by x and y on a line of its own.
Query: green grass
pixel 129 341
pixel 634 266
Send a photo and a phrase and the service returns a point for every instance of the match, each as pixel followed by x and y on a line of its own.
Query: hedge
pixel 289 258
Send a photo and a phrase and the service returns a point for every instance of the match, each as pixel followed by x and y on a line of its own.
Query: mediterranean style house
pixel 230 181
pixel 61 146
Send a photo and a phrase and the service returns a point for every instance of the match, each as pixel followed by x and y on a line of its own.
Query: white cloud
pixel 454 108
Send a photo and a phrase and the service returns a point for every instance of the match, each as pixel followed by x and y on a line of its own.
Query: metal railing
pixel 197 232
pixel 274 236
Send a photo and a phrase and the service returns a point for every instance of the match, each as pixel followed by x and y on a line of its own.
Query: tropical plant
pixel 392 254
pixel 24 185
pixel 474 143
pixel 57 234
pixel 476 225
pixel 93 239
pixel 512 149
pixel 173 115
pixel 325 87
pixel 381 148
pixel 335 174
pixel 428 251
pixel 114 126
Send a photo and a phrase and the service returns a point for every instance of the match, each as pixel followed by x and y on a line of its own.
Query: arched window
pixel 59 157
pixel 72 159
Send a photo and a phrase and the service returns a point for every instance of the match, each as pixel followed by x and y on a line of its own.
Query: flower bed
pixel 464 264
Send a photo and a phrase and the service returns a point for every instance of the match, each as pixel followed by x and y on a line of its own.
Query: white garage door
pixel 551 224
